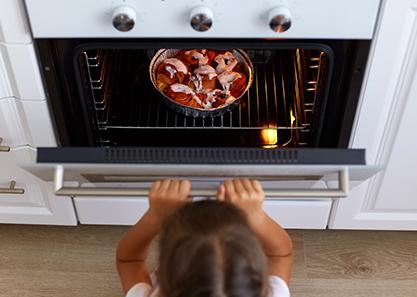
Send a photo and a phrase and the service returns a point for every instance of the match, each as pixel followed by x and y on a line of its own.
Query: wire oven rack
pixel 285 95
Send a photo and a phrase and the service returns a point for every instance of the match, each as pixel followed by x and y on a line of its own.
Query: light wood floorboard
pixel 46 261
pixel 361 255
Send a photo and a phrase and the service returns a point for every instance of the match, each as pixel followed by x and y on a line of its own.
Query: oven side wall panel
pixel 385 126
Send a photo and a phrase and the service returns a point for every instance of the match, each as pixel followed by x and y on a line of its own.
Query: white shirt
pixel 278 288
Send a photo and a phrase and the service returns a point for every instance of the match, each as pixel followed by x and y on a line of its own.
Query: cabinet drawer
pixel 35 204
pixel 296 214
pixel 25 122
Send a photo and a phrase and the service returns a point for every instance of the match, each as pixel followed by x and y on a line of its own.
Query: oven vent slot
pixel 200 155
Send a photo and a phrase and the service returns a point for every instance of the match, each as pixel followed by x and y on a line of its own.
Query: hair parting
pixel 208 250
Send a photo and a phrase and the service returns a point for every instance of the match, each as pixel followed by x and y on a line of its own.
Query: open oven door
pixel 130 171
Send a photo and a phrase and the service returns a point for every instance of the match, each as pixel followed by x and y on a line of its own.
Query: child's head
pixel 208 249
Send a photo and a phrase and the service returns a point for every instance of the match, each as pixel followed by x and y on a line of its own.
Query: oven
pixel 117 134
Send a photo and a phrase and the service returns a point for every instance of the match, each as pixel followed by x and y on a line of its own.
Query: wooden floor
pixel 79 261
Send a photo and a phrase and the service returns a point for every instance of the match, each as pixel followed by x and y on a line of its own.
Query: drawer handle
pixel 12 189
pixel 4 149
pixel 61 190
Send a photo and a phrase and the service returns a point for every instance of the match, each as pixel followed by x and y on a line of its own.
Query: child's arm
pixel 164 198
pixel 277 245
pixel 248 196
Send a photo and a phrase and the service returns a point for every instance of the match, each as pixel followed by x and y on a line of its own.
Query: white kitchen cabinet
pixel 34 201
pixel 21 77
pixel 386 128
pixel 25 123
pixel 11 130
pixel 14 27
pixel 19 71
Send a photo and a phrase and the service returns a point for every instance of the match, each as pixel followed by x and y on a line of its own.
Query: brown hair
pixel 208 250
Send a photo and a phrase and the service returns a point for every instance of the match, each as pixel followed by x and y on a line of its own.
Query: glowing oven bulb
pixel 269 138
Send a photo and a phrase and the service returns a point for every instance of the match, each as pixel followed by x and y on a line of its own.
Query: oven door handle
pixel 62 190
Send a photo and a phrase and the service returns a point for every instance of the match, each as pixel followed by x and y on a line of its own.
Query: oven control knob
pixel 201 18
pixel 279 19
pixel 124 18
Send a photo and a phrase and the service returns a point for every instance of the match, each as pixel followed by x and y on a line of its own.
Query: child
pixel 229 247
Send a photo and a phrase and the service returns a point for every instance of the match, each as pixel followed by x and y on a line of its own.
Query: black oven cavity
pixel 304 94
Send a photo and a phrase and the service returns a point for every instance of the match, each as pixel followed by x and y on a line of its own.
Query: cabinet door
pixel 13 25
pixel 20 76
pixel 386 128
pixel 25 123
pixel 33 201
pixel 12 130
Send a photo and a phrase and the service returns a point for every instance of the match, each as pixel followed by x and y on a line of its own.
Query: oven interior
pixel 281 109
pixel 304 94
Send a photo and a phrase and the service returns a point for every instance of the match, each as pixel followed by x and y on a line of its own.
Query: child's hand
pixel 245 194
pixel 166 196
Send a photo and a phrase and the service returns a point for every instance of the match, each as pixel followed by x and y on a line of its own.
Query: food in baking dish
pixel 201 78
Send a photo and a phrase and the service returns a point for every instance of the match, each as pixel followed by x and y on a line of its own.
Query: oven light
pixel 269 138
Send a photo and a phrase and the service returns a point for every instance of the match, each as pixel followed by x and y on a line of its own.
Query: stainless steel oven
pixel 293 123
